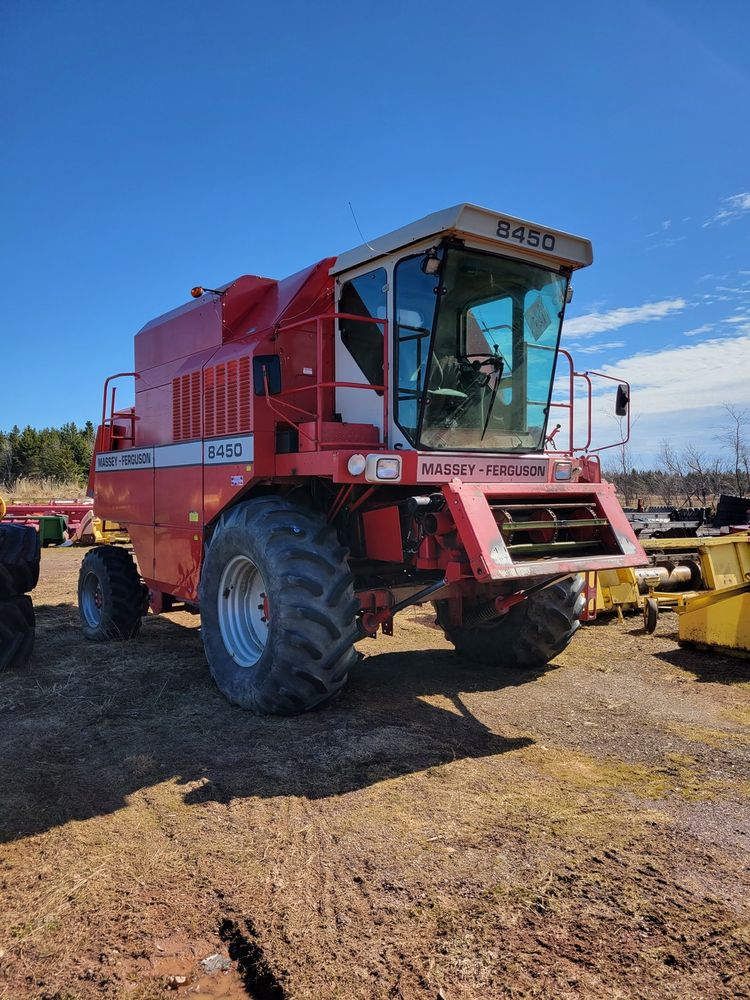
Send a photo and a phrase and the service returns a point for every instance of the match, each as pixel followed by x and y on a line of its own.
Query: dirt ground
pixel 439 831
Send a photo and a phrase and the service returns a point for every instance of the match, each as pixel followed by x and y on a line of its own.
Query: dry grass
pixel 581 833
pixel 41 490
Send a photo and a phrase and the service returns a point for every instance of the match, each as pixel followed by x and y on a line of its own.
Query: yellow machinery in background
pixel 64 522
pixel 108 533
pixel 719 619
pixel 706 581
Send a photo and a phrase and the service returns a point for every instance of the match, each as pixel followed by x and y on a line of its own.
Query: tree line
pixel 61 454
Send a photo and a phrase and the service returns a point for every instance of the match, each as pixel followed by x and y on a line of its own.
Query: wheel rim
pixel 92 600
pixel 243 611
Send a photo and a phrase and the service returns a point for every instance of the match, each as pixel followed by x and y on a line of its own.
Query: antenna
pixel 368 245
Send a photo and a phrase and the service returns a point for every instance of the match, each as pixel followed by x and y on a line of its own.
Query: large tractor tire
pixel 16 631
pixel 111 598
pixel 19 560
pixel 277 608
pixel 530 635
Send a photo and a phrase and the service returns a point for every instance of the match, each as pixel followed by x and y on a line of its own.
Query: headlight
pixel 381 469
pixel 388 468
pixel 356 465
pixel 563 471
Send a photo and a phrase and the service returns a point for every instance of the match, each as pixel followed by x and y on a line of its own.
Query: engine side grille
pixel 186 406
pixel 227 398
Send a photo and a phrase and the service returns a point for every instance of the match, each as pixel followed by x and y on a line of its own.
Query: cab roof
pixel 471 220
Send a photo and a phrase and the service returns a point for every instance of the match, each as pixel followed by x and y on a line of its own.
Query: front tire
pixel 529 636
pixel 277 608
pixel 111 598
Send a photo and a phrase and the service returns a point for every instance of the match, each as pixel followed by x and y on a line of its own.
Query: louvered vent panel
pixel 232 389
pixel 186 406
pixel 244 392
pixel 195 405
pixel 210 407
pixel 227 397
pixel 221 399
pixel 176 409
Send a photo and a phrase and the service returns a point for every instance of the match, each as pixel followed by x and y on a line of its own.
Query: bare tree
pixel 705 473
pixel 621 470
pixel 737 440
pixel 674 481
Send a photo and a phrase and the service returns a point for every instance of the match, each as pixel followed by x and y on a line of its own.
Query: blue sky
pixel 148 147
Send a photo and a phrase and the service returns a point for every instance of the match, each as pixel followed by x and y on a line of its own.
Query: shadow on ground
pixel 87 725
pixel 708 665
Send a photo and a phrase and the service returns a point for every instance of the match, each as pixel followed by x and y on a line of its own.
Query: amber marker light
pixel 196 292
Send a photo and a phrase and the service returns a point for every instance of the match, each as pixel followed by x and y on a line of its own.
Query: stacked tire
pixel 19 573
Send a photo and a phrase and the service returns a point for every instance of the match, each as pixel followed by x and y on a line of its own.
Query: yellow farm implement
pixel 713 607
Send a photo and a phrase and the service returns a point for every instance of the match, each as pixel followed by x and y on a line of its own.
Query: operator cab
pixel 474 302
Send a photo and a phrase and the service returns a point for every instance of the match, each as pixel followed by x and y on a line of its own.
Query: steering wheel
pixel 477 361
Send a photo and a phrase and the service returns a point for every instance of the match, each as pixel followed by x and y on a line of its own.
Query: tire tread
pixel 314 649
pixel 127 594
pixel 530 635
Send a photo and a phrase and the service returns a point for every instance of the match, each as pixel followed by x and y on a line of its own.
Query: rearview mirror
pixel 623 401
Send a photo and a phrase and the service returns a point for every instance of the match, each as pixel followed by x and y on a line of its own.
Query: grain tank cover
pixel 247 306
pixel 519 237
pixel 200 324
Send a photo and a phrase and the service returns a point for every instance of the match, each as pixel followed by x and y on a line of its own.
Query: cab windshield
pixel 475 350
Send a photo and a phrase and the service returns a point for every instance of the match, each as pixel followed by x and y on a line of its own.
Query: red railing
pixel 109 422
pixel 277 403
pixel 585 377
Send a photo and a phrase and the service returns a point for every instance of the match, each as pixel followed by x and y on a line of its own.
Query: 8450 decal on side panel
pixel 227 451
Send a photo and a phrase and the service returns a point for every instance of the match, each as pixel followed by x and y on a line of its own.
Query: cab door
pixel 360 345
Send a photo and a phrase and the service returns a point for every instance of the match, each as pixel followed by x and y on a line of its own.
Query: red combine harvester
pixel 307 457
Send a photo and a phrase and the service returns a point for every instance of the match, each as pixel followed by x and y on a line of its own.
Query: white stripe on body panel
pixel 216 451
pixel 185 453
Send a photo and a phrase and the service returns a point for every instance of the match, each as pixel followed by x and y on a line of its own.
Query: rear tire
pixel 17 626
pixel 529 636
pixel 111 598
pixel 20 551
pixel 277 608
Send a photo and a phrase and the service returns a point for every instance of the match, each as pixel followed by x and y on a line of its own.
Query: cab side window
pixel 365 296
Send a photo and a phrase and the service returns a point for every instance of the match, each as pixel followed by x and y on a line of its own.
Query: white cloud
pixel 687 378
pixel 663 227
pixel 739 318
pixel 732 208
pixel 594 348
pixel 677 393
pixel 698 330
pixel 600 322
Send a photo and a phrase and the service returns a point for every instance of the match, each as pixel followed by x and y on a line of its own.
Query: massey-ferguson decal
pixel 480 469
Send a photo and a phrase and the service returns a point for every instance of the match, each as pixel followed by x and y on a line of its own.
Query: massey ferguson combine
pixel 307 457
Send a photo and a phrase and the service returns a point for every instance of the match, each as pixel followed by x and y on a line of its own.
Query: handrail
pixel 570 406
pixel 320 386
pixel 619 381
pixel 107 423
